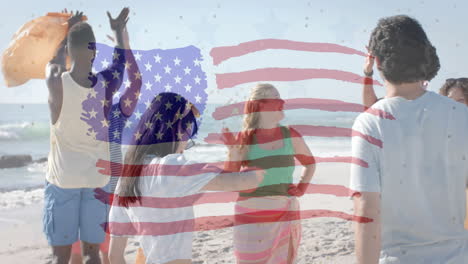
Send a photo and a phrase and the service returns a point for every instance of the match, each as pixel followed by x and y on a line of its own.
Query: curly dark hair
pixel 403 51
pixel 461 83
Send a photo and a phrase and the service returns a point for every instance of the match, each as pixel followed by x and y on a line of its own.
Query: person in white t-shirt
pixel 164 132
pixel 413 188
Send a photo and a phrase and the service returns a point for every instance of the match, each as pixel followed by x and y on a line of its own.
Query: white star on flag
pixel 105 102
pixel 137 56
pixel 105 123
pixel 92 93
pixel 188 126
pixel 177 61
pixel 197 80
pixel 92 134
pixel 157 78
pixel 92 113
pixel 138 115
pixel 116 94
pixel 167 69
pixel 116 75
pixel 148 85
pixel 157 58
pixel 138 75
pixel 148 104
pixel 105 63
pixel 137 95
pixel 127 83
pixel 187 70
pixel 159 135
pixel 127 102
pixel 158 116
pixel 116 113
pixel 198 98
pixel 148 66
pixel 127 65
pixel 137 135
pixel 104 83
pixel 148 125
pixel 128 123
pixel 180 135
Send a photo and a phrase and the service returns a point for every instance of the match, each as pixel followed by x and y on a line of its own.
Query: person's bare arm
pixel 232 178
pixel 129 99
pixel 54 70
pixel 368 94
pixel 368 235
pixel 235 181
pixel 305 157
pixel 236 151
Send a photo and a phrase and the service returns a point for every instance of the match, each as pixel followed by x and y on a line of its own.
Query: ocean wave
pixel 20 198
pixel 37 167
pixel 24 131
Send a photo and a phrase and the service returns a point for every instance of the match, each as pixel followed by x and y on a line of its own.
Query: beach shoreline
pixel 324 239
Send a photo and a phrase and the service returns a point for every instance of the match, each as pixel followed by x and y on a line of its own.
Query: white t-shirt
pixel 165 248
pixel 421 173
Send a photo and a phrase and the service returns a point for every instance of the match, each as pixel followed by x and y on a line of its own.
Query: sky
pixel 208 24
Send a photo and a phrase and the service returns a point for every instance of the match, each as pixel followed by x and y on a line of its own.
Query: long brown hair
pixel 160 128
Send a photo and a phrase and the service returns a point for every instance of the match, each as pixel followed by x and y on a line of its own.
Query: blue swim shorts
pixel 72 214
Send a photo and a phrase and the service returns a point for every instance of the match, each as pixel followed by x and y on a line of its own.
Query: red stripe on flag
pixel 214 167
pixel 228 80
pixel 303 130
pixel 220 54
pixel 218 222
pixel 236 109
pixel 213 197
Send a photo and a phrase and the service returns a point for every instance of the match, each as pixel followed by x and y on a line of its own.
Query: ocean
pixel 24 129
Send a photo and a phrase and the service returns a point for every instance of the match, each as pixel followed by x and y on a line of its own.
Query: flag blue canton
pixel 172 70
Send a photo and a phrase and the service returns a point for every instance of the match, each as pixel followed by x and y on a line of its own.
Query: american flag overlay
pixel 175 70
pixel 179 71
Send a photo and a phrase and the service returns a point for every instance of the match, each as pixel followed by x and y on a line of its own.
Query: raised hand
pixel 369 65
pixel 119 23
pixel 118 26
pixel 74 18
pixel 229 139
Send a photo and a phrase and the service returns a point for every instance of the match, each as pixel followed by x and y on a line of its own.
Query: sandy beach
pixel 324 240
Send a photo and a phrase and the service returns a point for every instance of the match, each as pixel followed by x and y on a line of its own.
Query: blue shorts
pixel 70 214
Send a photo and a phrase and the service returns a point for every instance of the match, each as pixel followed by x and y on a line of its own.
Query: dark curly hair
pixel 461 83
pixel 403 51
